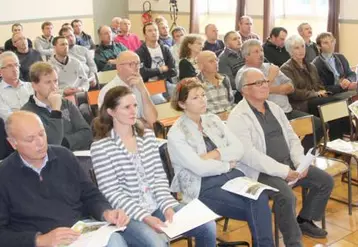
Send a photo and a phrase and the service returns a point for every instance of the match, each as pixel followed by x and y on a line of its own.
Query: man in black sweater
pixel 44 191
pixel 274 48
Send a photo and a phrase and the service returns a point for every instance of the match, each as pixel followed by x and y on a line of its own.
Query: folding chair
pixel 166 118
pixel 333 111
pixel 169 170
pixel 104 77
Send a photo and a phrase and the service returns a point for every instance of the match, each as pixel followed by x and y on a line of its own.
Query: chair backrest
pixel 333 111
pixel 167 165
pixel 93 97
pixel 104 77
pixel 156 87
pixel 93 176
pixel 166 111
pixel 303 126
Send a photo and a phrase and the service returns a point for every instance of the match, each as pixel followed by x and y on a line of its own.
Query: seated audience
pixel 130 173
pixel 218 91
pixel 177 34
pixel 5 148
pixel 43 43
pixel 164 34
pixel 81 53
pixel 71 74
pixel 204 155
pixel 66 25
pixel 245 28
pixel 128 65
pixel 106 53
pixel 333 68
pixel 231 60
pixel 14 93
pixel 63 122
pixel 82 38
pixel 160 19
pixel 129 40
pixel 213 43
pixel 27 56
pixel 305 31
pixel 272 153
pixel 190 48
pixel 157 61
pixel 15 28
pixel 274 48
pixel 115 26
pixel 44 191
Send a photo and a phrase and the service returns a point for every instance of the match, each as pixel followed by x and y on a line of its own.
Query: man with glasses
pixel 14 93
pixel 128 65
pixel 272 154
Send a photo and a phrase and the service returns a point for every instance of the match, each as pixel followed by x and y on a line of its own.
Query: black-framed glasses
pixel 258 83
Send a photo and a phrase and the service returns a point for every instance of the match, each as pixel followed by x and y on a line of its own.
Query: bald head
pixel 125 26
pixel 211 32
pixel 127 65
pixel 105 34
pixel 19 121
pixel 207 62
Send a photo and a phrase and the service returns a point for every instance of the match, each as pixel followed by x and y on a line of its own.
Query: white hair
pixel 246 46
pixel 7 54
pixel 292 41
pixel 243 77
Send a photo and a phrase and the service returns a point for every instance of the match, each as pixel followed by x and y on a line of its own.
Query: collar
pixel 232 52
pixel 63 63
pixel 37 170
pixel 5 85
pixel 255 110
pixel 327 56
pixel 51 156
pixel 205 81
pixel 41 104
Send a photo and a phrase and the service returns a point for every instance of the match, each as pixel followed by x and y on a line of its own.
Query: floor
pixel 342 228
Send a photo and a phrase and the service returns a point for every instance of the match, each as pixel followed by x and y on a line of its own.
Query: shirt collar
pixel 37 170
pixel 41 104
pixel 5 85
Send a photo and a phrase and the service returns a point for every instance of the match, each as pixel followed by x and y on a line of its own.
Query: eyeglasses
pixel 258 83
pixel 132 64
pixel 11 66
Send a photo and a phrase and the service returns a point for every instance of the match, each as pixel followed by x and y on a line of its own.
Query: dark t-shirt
pixel 26 60
pixel 217 47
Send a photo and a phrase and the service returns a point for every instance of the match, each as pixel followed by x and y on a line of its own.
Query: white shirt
pixel 12 99
pixel 157 59
pixel 118 82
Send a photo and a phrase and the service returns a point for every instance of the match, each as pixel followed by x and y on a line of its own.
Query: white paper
pixel 343 146
pixel 306 161
pixel 83 153
pixel 96 238
pixel 192 215
pixel 354 108
pixel 246 187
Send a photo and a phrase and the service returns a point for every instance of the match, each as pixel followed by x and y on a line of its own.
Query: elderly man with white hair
pixel 272 153
pixel 14 93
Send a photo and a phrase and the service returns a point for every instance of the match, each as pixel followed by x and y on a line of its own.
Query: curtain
pixel 333 20
pixel 240 11
pixel 194 16
pixel 269 18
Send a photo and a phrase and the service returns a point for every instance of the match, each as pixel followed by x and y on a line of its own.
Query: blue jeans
pixel 256 212
pixel 116 240
pixel 139 234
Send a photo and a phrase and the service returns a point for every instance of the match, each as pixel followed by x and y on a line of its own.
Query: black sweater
pixel 274 54
pixel 186 69
pixel 29 205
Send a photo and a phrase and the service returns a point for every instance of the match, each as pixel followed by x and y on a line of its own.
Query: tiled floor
pixel 342 228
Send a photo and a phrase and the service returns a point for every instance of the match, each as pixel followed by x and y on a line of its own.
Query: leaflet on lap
pixel 93 233
pixel 192 215
pixel 246 187
pixel 343 146
pixel 306 161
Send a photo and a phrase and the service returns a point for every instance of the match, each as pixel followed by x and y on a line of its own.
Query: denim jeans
pixel 139 234
pixel 116 240
pixel 256 212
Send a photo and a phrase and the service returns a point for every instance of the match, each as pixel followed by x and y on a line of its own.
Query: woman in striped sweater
pixel 130 174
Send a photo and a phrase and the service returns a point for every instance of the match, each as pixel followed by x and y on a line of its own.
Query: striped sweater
pixel 117 178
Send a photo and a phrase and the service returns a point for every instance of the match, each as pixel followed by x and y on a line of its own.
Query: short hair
pixel 66 24
pixel 38 69
pixel 245 17
pixel 148 24
pixel 246 46
pixel 45 24
pixel 184 51
pixel 64 30
pixel 275 32
pixel 292 41
pixel 243 77
pixel 177 29
pixel 55 40
pixel 160 19
pixel 323 36
pixel 7 54
pixel 74 22
pixel 181 91
pixel 207 26
pixel 226 36
pixel 16 25
pixel 300 27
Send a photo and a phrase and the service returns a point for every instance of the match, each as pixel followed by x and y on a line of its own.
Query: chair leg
pixel 226 224
pixel 190 242
pixel 277 237
pixel 349 189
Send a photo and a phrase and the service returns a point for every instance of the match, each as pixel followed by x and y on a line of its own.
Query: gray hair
pixel 292 41
pixel 7 54
pixel 300 27
pixel 246 46
pixel 243 77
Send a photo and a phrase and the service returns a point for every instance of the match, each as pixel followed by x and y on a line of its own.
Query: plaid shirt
pixel 220 97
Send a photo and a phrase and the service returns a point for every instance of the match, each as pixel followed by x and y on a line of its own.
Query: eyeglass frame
pixel 258 83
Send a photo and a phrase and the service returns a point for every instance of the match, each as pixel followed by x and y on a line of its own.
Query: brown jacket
pixel 306 81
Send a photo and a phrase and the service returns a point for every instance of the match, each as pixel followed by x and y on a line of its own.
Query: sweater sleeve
pixel 109 184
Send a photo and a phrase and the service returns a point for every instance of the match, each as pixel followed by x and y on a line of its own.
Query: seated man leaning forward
pixel 44 191
pixel 272 152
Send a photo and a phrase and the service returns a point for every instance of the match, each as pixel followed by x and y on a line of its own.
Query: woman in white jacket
pixel 204 154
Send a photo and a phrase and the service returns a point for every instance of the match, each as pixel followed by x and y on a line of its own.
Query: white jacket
pixel 243 123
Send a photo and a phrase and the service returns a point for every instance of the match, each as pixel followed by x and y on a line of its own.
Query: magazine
pixel 306 161
pixel 354 108
pixel 246 187
pixel 343 146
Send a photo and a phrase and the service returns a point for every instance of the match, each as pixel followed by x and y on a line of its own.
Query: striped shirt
pixel 117 176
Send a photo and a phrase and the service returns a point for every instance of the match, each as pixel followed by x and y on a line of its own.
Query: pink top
pixel 131 41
